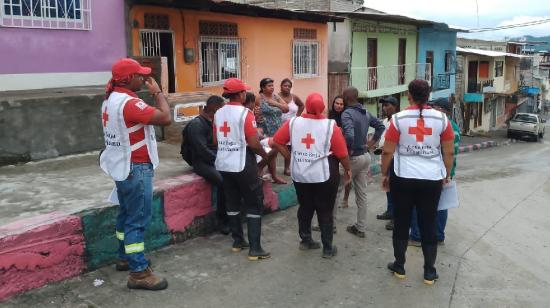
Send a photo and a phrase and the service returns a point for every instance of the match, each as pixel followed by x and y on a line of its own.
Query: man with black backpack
pixel 198 150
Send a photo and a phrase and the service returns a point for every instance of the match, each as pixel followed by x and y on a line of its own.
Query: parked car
pixel 526 125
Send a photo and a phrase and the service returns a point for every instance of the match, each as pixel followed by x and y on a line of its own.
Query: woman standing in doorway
pixel 272 108
pixel 295 109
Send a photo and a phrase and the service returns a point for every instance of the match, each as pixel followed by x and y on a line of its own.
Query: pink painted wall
pixel 39 250
pixel 185 197
pixel 26 50
pixel 189 196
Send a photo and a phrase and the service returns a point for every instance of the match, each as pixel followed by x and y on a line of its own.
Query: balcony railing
pixel 441 82
pixel 477 87
pixel 381 77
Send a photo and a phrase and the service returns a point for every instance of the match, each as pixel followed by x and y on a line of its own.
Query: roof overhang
pixel 230 7
pixel 487 53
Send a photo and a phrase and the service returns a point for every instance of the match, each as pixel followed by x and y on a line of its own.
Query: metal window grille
pixel 219 59
pixel 305 58
pixel 212 28
pixel 150 43
pixel 47 14
pixel 156 21
pixel 305 34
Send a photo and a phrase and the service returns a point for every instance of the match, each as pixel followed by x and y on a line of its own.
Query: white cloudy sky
pixel 463 13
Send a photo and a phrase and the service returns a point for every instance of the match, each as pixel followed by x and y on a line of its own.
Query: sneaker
pixel 384 216
pixel 441 243
pixel 398 271
pixel 329 253
pixel 353 230
pixel 389 225
pixel 415 243
pixel 146 280
pixel 430 277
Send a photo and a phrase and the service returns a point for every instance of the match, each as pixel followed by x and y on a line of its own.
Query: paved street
pixel 497 254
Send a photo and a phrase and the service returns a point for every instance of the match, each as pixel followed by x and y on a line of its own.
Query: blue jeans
pixel 135 195
pixel 440 220
pixel 389 209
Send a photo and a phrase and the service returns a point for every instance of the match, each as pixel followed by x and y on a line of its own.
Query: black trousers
pixel 214 177
pixel 409 193
pixel 246 186
pixel 318 197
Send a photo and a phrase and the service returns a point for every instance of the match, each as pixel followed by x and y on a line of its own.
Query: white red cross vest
pixel 229 121
pixel 115 159
pixel 418 154
pixel 310 139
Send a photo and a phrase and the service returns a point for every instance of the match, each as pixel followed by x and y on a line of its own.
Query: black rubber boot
pixel 398 266
pixel 430 254
pixel 236 227
pixel 254 237
pixel 329 250
pixel 304 230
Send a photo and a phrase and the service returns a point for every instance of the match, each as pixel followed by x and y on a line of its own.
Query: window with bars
pixel 53 14
pixel 219 59
pixel 305 58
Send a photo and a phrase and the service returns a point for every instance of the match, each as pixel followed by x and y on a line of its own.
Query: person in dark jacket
pixel 356 121
pixel 203 153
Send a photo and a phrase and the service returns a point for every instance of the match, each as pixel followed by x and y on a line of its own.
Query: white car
pixel 526 124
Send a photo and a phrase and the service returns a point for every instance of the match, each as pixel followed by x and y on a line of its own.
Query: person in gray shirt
pixel 356 121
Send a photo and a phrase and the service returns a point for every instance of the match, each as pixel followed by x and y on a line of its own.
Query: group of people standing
pixel 229 142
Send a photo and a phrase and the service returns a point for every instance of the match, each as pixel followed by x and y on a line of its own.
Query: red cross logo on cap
pixel 420 131
pixel 225 129
pixel 105 117
pixel 308 141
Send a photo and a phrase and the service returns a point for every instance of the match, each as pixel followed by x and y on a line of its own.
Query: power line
pixel 525 24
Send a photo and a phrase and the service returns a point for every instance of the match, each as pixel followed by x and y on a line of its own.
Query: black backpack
pixel 186 152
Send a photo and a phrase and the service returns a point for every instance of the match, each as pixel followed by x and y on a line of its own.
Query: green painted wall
pixel 99 232
pixel 388 36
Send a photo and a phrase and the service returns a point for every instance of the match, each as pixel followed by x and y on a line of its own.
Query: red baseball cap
pixel 234 85
pixel 126 67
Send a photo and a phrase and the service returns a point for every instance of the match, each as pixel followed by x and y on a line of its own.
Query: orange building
pixel 206 42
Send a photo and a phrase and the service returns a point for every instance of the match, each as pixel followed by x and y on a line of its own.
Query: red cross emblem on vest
pixel 308 141
pixel 225 129
pixel 420 131
pixel 105 117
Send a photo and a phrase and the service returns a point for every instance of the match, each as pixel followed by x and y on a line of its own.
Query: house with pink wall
pixel 59 43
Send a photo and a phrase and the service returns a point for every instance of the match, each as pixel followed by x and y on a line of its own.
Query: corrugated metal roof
pixel 229 7
pixel 489 53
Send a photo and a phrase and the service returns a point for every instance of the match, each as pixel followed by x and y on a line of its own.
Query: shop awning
pixel 473 98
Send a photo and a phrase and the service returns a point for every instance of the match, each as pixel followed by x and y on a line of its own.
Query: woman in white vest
pixel 420 142
pixel 317 146
pixel 129 157
pixel 237 139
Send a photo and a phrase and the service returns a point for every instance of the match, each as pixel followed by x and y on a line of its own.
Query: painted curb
pixel 481 146
pixel 57 246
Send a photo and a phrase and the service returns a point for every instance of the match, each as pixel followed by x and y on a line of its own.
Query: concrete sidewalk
pixel 478 142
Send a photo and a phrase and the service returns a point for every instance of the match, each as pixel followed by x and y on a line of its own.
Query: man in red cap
pixel 236 136
pixel 317 146
pixel 129 157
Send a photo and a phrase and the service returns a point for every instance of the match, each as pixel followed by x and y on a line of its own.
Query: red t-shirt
pixel 392 134
pixel 337 142
pixel 135 112
pixel 249 122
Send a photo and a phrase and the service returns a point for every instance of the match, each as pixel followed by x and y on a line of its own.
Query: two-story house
pixel 437 46
pixel 489 81
pixel 376 53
